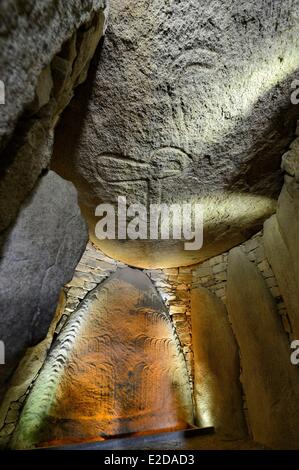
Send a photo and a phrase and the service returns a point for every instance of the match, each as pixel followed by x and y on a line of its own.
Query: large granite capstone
pixel 190 101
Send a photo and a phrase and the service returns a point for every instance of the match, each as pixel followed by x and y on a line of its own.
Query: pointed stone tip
pixel 135 277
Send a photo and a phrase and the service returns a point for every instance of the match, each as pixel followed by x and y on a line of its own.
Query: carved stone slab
pixel 184 104
pixel 116 369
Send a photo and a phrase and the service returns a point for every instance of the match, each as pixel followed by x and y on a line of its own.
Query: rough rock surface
pixel 46 47
pixel 31 33
pixel 190 101
pixel 270 381
pixel 116 368
pixel 217 390
pixel 23 377
pixel 288 205
pixel 37 260
pixel 282 237
pixel 283 266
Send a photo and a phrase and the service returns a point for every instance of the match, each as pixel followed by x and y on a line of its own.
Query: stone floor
pixel 182 440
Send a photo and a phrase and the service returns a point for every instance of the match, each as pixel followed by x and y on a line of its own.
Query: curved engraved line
pixel 140 367
pixel 197 64
pixel 204 58
pixel 155 315
pixel 142 336
pixel 179 150
pixel 119 168
pixel 188 56
pixel 117 182
pixel 203 45
pixel 121 157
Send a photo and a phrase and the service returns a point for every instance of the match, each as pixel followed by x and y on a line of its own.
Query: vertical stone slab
pixel 283 267
pixel 217 390
pixel 38 258
pixel 288 220
pixel 117 368
pixel 270 382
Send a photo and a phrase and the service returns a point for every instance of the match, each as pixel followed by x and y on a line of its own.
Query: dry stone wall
pixel 212 274
pixel 93 268
pixel 174 285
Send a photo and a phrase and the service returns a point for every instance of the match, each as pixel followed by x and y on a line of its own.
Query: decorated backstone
pixel 116 369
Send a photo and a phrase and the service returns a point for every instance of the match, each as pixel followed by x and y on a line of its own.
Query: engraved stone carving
pixel 116 368
pixel 189 102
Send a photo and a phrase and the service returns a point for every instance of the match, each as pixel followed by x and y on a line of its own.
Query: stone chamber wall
pixel 46 50
pixel 266 290
pixel 234 314
pixel 212 274
pixel 176 286
pixel 255 287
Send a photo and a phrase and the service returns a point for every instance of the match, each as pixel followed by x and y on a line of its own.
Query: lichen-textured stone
pixel 270 381
pixel 217 390
pixel 46 47
pixel 190 101
pixel 37 259
pixel 116 368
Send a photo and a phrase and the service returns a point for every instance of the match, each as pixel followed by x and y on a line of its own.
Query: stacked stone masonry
pixel 93 268
pixel 212 274
pixel 174 286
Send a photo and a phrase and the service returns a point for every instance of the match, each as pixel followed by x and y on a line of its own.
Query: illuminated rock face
pixel 188 101
pixel 117 368
pixel 270 381
pixel 217 391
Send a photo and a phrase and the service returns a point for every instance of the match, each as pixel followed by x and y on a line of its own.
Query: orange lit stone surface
pixel 117 368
